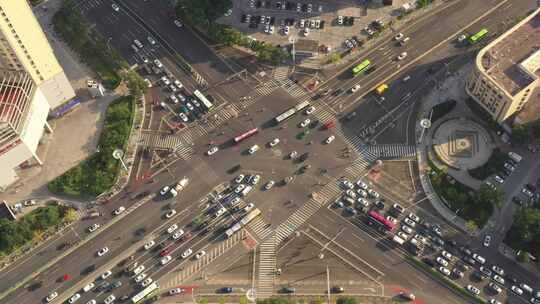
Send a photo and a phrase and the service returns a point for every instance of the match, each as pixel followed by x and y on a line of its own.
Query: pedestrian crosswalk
pixel 208 124
pixel 260 228
pixel 83 5
pixel 261 90
pixel 281 73
pixel 292 88
pixel 392 150
pixel 267 268
pixel 160 141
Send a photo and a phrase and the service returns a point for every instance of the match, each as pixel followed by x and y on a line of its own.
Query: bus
pixel 244 221
pixel 285 115
pixel 200 96
pixel 245 135
pixel 361 67
pixel 144 293
pixel 379 220
pixel 478 36
pixel 299 107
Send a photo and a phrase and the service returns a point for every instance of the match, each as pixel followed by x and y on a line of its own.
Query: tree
pixel 71 215
pixel 335 57
pixel 135 83
pixel 202 12
pixel 471 225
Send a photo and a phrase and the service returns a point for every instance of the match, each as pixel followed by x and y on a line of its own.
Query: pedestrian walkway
pixel 323 115
pixel 267 268
pixel 260 228
pixel 392 151
pixel 264 89
pixel 281 73
pixel 208 124
pixel 160 141
pixel 292 88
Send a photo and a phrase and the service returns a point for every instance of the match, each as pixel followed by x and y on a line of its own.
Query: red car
pixel 329 124
pixel 165 251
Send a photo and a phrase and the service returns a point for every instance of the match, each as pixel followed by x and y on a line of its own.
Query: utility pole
pixel 328 283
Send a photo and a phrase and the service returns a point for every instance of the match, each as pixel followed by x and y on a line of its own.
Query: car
pixel 487 240
pixel 166 259
pixel 183 117
pixel 497 278
pixel 403 235
pixel 361 185
pixel 421 238
pixel 164 190
pixel 116 284
pixel 253 149
pixel 397 207
pixel 103 251
pixel 74 298
pixel 340 20
pixel 355 88
pixel 94 227
pixel 472 289
pixel 305 123
pixel 444 271
pixel 351 210
pixel 348 43
pixel 29 203
pixel 177 234
pixel 442 261
pixel 407 229
pixel 414 217
pixel 493 301
pixel 509 167
pixel 110 299
pixel 91 302
pixel 286 30
pixel 409 222
pixel 140 277
pixel 447 255
pixel 347 184
pixel 170 214
pixel 151 40
pixel 212 151
pixel 398 37
pixel 363 202
pixel 486 271
pixel 248 207
pixel 402 56
pixel 119 210
pixel 496 288
pixel 187 253
pixel 461 38
pixel 200 254
pixel 373 193
pixel 147 282
pixel 149 244
pixel 88 287
pixel 158 63
pixel 274 142
pixel 498 179
pixel 106 274
pixel 457 273
pixel 138 269
pixel 239 188
pixel 269 185
pixel 178 23
pixel 437 230
pixel 310 110
pixel 535 300
pixel 51 296
pixel 350 193
pixel 115 7
pixel 330 139
pixel 189 106
pixel 172 228
pixel 406 78
pixel 362 193
pixel 175 291
pixel 516 290
pixel 480 259
pixel 498 270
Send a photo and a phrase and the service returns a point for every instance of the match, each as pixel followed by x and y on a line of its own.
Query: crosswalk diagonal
pixel 281 73
pixel 259 227
pixel 292 88
pixel 267 268
pixel 393 150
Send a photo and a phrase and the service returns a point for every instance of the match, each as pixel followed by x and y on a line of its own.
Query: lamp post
pixel 425 124
pixel 118 154
pixel 292 40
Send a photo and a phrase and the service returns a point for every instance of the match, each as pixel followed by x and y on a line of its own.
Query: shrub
pixel 492 166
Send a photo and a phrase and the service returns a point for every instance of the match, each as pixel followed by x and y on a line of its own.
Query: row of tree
pixel 524 234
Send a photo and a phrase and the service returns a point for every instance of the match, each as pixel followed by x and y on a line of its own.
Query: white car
pixel 461 38
pixel 239 178
pixel 178 23
pixel 355 88
pixel 253 149
pixel 444 271
pixel 498 179
pixel 363 202
pixel 517 290
pixel 148 82
pixel 140 277
pixel 239 188
pixel 362 185
pixel 119 210
pixel 183 117
pixel 269 185
pixel 493 301
pixel 115 7
pixel 305 123
pixel 158 63
pixel 407 229
pixel 178 84
pixel 271 30
pixel 403 235
pixel 74 298
pixel 347 184
pixel 350 193
pixel 361 192
pixel 178 234
pixel 91 302
pixel 402 56
pixel 103 251
pixel 147 282
pixel 170 214
pixel 447 255
pixel 51 296
pixel 340 20
pixel 176 291
pixel 212 151
pixel 406 78
pixel 498 270
pixel 497 278
pixel 164 190
pixel 172 228
pixel 166 259
pixel 374 193
pixel 414 217
pixel 391 219
pixel 310 110
pixel 190 106
pixel 442 261
pixel 421 238
pixel 473 290
pixel 398 37
pixel 109 299
pixel 151 40
pixel 286 30
pixel 274 142
pixel 480 259
pixel 149 244
pixel 330 139
pixel 200 254
pixel 248 207
pixel 94 227
pixel 173 98
pixel 106 274
pixel 187 253
pixel 487 241
pixel 138 269
pixel 409 222
pixel 29 203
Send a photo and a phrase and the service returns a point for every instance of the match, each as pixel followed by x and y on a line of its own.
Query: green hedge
pixel 97 173
pixel 92 49
pixel 14 234
pixel 494 164
pixel 451 284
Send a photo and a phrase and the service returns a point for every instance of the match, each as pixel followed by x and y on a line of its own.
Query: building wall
pixel 10 160
pixel 37 117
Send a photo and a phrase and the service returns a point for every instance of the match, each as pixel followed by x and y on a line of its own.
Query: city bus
pixel 285 115
pixel 245 135
pixel 244 221
pixel 299 107
pixel 361 67
pixel 478 36
pixel 145 293
pixel 380 221
pixel 200 96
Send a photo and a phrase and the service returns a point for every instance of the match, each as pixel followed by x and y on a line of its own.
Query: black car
pixel 337 92
pixel 379 205
pixel 288 290
pixel 370 69
pixel 429 262
pixel 350 116
pixel 303 157
pixel 243 18
pixel 226 290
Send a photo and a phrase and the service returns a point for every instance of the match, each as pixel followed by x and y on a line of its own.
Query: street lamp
pixel 292 40
pixel 425 124
pixel 118 154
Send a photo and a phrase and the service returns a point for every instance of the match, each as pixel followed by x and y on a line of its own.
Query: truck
pixel 398 240
pixel 515 157
pixel 180 186
pixel 381 89
pixel 93 214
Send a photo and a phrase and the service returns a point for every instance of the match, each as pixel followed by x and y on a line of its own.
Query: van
pixel 515 157
pixel 526 287
pixel 253 149
pixel 138 43
pixel 246 190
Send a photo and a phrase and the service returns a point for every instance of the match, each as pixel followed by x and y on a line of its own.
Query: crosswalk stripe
pixel 392 150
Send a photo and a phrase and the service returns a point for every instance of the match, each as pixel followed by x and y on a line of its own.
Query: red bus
pixel 379 220
pixel 245 135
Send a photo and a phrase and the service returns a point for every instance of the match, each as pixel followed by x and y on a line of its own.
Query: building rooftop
pixel 514 61
pixel 531 110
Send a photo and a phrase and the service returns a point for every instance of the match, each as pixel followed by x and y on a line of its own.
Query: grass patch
pixel 97 173
pixel 32 227
pixel 492 166
pixel 449 283
pixel 92 49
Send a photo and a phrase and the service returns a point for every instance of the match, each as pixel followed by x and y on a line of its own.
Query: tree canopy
pixel 202 12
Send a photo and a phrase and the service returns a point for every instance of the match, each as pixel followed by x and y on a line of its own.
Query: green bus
pixel 361 67
pixel 478 36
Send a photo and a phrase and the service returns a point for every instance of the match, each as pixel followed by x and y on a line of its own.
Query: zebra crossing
pixel 292 88
pixel 88 5
pixel 261 90
pixel 267 268
pixel 281 73
pixel 159 141
pixel 393 150
pixel 352 140
pixel 260 228
pixel 213 121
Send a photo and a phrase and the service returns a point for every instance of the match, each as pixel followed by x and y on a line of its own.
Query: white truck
pixel 180 186
pixel 515 157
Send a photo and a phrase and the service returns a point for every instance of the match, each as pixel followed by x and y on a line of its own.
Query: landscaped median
pixel 98 172
pixel 443 279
